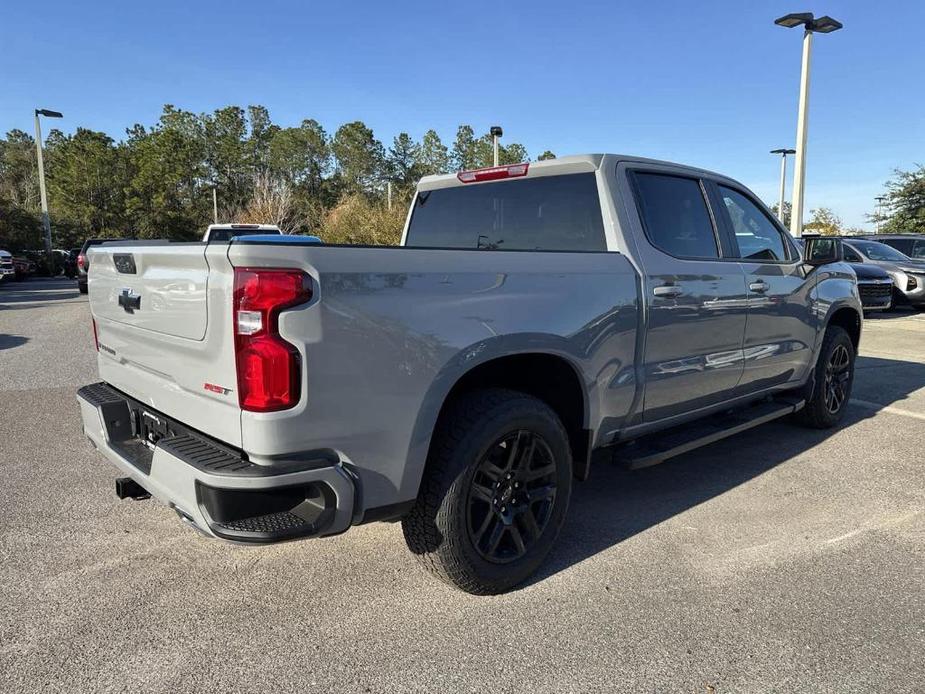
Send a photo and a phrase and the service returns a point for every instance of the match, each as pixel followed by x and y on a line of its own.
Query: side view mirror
pixel 822 250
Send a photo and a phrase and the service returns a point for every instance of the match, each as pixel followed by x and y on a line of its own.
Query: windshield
pixel 879 251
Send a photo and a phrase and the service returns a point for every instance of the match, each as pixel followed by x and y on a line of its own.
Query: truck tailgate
pixel 172 278
pixel 163 320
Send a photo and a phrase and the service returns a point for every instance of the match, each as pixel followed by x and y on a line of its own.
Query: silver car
pixel 908 274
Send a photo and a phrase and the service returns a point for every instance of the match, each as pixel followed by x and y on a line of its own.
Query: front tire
pixel 494 494
pixel 834 377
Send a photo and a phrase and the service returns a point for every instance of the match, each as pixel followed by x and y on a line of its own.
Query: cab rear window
pixel 553 213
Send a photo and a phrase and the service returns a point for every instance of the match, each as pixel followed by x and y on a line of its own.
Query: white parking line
pixel 886 408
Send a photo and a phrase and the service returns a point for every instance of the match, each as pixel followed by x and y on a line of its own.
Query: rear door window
pixel 758 237
pixel 555 213
pixel 675 215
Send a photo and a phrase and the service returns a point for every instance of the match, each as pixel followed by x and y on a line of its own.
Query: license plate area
pixel 150 428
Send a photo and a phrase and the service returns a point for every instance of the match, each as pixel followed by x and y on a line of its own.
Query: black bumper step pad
pixel 205 455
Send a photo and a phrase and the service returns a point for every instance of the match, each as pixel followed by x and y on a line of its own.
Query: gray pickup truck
pixel 274 388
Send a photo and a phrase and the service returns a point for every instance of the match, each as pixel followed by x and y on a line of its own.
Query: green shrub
pixel 359 221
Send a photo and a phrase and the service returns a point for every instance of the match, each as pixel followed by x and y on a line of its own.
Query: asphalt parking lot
pixel 782 559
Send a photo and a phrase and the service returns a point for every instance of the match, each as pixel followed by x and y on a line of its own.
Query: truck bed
pixel 387 333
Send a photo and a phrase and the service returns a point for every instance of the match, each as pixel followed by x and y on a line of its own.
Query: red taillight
pixel 268 367
pixel 493 173
pixel 96 335
pixel 81 261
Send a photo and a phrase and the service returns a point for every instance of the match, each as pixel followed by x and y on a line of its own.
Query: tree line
pixel 158 181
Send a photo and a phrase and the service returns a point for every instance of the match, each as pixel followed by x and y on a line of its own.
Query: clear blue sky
pixel 707 83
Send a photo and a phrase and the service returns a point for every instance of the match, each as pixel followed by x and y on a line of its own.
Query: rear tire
pixel 834 377
pixel 494 493
pixel 82 288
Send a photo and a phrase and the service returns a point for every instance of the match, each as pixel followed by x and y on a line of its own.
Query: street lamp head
pixel 496 131
pixel 783 151
pixel 823 25
pixel 48 114
pixel 826 25
pixel 795 19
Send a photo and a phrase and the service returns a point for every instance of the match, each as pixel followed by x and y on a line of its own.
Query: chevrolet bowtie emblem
pixel 129 300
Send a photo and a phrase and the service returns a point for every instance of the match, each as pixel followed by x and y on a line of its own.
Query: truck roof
pixel 576 163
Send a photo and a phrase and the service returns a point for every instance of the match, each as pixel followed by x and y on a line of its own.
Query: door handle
pixel 759 287
pixel 668 290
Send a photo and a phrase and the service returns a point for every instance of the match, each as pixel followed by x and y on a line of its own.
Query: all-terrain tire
pixel 834 369
pixel 479 429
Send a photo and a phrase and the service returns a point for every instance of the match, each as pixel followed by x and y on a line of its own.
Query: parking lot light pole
pixel 496 134
pixel 879 199
pixel 823 25
pixel 46 223
pixel 783 179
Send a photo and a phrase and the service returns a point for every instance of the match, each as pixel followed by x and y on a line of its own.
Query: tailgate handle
pixel 129 300
pixel 124 262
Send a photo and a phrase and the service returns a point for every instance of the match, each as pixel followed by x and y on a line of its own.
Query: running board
pixel 658 447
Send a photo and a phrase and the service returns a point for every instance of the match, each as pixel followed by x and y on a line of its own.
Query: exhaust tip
pixel 127 488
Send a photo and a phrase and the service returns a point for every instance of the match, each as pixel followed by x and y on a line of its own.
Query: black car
pixel 83 263
pixel 875 286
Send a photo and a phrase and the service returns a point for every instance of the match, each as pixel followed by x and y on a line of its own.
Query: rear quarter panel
pixel 390 331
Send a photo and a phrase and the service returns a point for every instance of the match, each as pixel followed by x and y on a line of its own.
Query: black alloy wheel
pixel 511 496
pixel 837 376
pixel 495 491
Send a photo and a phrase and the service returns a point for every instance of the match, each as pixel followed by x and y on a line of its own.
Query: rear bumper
pixel 211 486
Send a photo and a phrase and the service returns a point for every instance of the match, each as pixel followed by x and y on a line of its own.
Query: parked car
pixel 7 270
pixel 39 261
pixel 70 263
pixel 226 232
pixel 912 245
pixel 875 286
pixel 23 267
pixel 83 262
pixel 908 275
pixel 275 388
